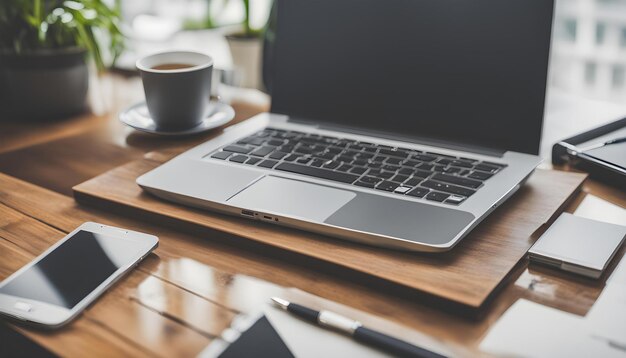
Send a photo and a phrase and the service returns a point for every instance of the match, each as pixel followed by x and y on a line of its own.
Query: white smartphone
pixel 56 286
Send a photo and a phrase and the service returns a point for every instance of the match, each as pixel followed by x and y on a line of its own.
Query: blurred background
pixel 586 81
pixel 588 50
pixel 587 76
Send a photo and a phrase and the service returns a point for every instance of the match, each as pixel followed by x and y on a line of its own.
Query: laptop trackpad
pixel 293 198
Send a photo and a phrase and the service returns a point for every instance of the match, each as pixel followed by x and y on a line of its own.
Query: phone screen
pixel 74 269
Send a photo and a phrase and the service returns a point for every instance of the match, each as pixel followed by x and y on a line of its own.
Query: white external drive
pixel 578 245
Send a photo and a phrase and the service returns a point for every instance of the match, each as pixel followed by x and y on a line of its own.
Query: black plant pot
pixel 43 85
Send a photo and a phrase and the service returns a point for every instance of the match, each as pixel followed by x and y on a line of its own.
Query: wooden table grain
pixel 188 290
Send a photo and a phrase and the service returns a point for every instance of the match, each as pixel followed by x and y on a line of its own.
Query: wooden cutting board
pixel 466 277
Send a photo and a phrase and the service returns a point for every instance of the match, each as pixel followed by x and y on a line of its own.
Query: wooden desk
pixel 183 296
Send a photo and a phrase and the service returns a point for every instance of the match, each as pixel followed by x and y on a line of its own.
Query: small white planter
pixel 247 53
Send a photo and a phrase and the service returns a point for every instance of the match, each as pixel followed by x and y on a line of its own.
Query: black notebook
pixel 260 340
pixel 613 154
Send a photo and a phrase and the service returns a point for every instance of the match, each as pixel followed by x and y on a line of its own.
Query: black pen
pixel 356 330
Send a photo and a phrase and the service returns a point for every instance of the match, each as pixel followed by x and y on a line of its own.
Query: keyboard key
pixel 275 142
pixel 268 163
pixel 364 184
pixel 277 155
pixel 387 186
pixel 385 174
pixel 495 164
pixel 317 162
pixel 344 167
pixel 358 170
pixel 486 168
pixel 332 164
pixel 399 178
pixel 424 157
pixel 480 175
pixel 238 158
pixel 441 155
pixel 253 160
pixel 437 196
pixel 395 153
pixel 422 173
pixel 303 160
pixel 412 163
pixel 391 168
pixel 360 162
pixel 455 199
pixel 451 170
pixel 448 188
pixel 368 179
pixel 457 180
pixel 327 156
pixel 405 171
pixel 402 189
pixel 468 160
pixel 291 158
pixel 237 149
pixel 253 140
pixel 303 150
pixel 393 161
pixel 444 161
pixel 413 181
pixel 426 166
pixel 461 163
pixel 221 155
pixel 263 151
pixel 418 192
pixel 317 172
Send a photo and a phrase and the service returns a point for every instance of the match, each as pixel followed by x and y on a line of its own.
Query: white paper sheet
pixel 607 317
pixel 529 329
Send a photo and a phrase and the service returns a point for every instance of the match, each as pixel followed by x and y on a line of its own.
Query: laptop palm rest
pixel 412 221
pixel 293 198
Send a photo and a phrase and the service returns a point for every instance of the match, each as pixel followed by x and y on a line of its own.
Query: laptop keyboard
pixel 432 176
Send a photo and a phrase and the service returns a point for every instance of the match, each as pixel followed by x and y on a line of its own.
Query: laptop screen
pixel 465 71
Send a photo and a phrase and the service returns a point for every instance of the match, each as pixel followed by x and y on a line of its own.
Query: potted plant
pixel 44 47
pixel 246 50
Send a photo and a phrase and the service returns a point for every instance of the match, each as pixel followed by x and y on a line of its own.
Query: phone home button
pixel 23 306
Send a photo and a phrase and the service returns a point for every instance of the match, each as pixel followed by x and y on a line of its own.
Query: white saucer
pixel 138 117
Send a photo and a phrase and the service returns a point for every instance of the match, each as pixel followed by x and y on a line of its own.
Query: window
pixel 600 33
pixel 569 30
pixel 619 76
pixel 590 72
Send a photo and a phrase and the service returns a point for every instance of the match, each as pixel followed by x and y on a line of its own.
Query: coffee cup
pixel 177 86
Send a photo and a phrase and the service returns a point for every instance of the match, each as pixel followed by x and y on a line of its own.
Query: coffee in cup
pixel 177 86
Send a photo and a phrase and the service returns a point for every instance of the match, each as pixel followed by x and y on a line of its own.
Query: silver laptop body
pixel 366 215
pixel 339 154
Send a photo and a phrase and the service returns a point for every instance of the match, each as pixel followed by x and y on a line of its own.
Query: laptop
pixel 398 123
